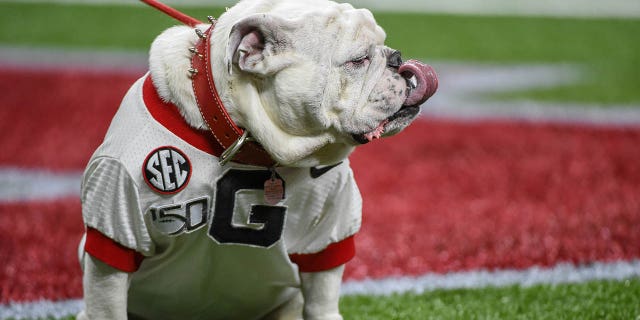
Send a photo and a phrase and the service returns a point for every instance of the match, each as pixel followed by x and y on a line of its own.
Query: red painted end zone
pixel 450 196
pixel 38 250
pixel 440 196
pixel 53 118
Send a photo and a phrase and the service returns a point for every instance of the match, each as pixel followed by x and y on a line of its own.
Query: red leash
pixel 188 20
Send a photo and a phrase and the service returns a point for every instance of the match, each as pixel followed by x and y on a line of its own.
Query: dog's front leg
pixel 105 291
pixel 321 292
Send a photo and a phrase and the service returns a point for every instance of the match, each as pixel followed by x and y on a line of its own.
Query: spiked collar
pixel 236 143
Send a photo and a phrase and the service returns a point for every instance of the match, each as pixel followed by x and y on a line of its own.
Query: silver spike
pixel 192 72
pixel 194 51
pixel 201 34
pixel 211 19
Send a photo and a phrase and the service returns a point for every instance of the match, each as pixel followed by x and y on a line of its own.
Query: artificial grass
pixel 428 36
pixel 607 48
pixel 602 300
pixel 128 27
pixel 592 300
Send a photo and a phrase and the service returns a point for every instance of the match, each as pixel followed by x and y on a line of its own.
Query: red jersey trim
pixel 168 116
pixel 335 255
pixel 112 253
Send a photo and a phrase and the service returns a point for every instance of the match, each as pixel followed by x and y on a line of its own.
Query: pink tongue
pixel 426 78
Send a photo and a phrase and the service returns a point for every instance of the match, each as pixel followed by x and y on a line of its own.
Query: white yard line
pixel 463 95
pixel 535 112
pixel 38 58
pixel 28 184
pixel 559 274
pixel 547 8
pixel 41 309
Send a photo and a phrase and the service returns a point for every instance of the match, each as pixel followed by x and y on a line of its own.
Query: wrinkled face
pixel 367 92
pixel 311 79
pixel 342 78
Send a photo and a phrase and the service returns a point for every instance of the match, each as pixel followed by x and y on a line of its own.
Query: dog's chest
pixel 216 232
pixel 207 234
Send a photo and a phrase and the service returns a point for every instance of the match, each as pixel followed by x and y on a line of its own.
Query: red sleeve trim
pixel 112 253
pixel 335 255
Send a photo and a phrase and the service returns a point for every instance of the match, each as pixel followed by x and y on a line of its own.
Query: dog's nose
pixel 394 60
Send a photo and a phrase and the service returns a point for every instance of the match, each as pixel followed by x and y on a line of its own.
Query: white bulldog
pixel 308 81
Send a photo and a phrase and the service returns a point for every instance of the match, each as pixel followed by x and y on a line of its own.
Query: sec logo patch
pixel 167 170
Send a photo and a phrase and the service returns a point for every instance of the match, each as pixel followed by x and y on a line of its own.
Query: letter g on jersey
pixel 167 170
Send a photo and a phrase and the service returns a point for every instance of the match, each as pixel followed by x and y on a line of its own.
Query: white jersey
pixel 199 238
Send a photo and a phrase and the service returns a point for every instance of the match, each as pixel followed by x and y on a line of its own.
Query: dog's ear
pixel 258 43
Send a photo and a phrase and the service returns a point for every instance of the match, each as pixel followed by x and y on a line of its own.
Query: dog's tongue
pixel 426 81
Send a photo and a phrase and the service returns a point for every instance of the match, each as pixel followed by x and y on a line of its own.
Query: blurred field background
pixel 605 51
pixel 606 48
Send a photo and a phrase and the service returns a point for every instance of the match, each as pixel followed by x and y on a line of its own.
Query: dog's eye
pixel 360 61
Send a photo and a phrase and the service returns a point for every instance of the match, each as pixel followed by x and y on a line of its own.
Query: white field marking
pixel 38 58
pixel 27 184
pixel 559 274
pixel 548 8
pixel 536 112
pixel 41 309
pixel 463 88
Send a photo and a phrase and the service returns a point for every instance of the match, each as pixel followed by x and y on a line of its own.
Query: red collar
pixel 227 140
pixel 168 115
pixel 235 141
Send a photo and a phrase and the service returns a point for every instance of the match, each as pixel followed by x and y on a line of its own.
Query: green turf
pixel 608 48
pixel 602 300
pixel 593 300
pixel 85 26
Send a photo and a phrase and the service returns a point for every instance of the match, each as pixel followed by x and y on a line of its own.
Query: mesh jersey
pixel 201 240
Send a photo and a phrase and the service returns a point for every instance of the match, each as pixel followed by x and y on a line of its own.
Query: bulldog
pixel 222 189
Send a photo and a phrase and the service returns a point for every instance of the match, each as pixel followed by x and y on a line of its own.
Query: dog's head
pixel 312 79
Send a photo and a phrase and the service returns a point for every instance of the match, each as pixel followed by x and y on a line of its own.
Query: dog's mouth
pixel 422 83
pixel 405 113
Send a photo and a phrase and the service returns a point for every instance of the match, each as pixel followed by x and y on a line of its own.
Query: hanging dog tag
pixel 273 189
